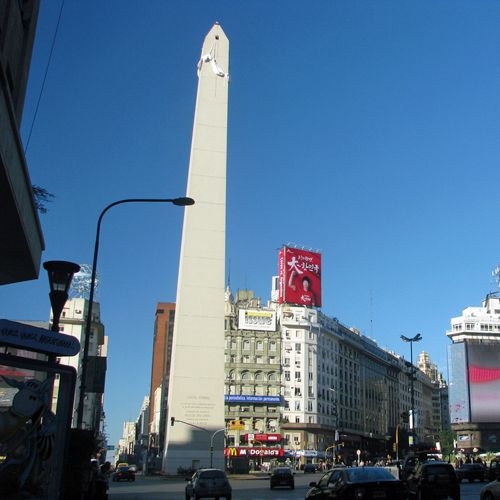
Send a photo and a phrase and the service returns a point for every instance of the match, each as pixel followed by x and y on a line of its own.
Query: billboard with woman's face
pixel 299 277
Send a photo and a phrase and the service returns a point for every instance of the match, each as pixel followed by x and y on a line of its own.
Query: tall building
pixel 196 389
pixel 22 241
pixel 160 373
pixel 72 322
pixel 253 374
pixel 474 376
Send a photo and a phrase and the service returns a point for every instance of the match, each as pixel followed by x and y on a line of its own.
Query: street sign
pixel 37 339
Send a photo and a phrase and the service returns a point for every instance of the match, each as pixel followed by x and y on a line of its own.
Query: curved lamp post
pixel 416 338
pixel 182 202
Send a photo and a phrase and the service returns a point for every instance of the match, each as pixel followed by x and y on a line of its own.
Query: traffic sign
pixel 37 339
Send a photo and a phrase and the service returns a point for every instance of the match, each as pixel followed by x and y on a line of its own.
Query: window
pixel 259 376
pixel 309 406
pixel 259 359
pixel 287 334
pixel 286 361
pixel 273 360
pixel 298 392
pixel 245 376
pixel 231 375
pixel 272 377
pixel 297 347
pixel 297 375
pixel 287 376
pixel 246 359
pixel 246 345
pixel 259 345
pixel 272 346
pixel 233 344
pixel 297 420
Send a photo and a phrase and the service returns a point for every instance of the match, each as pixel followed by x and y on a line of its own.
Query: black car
pixel 310 468
pixel 471 472
pixel 366 483
pixel 433 479
pixel 413 459
pixel 282 476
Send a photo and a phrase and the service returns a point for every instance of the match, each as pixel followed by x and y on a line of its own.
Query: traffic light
pixel 394 447
pixel 405 417
pixel 172 421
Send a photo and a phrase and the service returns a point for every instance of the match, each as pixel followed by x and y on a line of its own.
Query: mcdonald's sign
pixel 231 452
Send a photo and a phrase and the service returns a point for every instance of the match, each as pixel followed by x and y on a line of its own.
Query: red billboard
pixel 253 452
pixel 299 277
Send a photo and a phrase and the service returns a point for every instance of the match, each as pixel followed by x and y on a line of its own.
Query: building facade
pixel 22 241
pixel 340 392
pixel 72 322
pixel 474 364
pixel 253 379
pixel 160 372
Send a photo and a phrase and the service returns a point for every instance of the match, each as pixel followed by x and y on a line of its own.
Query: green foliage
pixel 446 439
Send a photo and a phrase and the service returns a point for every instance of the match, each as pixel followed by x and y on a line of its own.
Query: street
pixel 156 488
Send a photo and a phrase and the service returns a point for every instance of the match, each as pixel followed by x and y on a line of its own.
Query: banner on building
pixel 299 274
pixel 240 398
pixel 255 319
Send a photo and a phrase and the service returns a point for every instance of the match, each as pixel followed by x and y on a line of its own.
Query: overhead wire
pixel 44 78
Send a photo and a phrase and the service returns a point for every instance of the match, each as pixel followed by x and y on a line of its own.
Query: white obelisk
pixel 196 384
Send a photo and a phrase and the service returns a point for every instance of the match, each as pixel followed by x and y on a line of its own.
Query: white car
pixel 491 491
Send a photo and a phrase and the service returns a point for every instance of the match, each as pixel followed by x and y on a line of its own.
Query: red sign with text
pixel 299 277
pixel 276 438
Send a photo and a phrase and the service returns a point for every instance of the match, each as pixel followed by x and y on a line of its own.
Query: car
pixel 413 459
pixel 282 476
pixel 433 479
pixel 123 473
pixel 358 482
pixel 493 471
pixel 310 468
pixel 471 472
pixel 491 491
pixel 208 483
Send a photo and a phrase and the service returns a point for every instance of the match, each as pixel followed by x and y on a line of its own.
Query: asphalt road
pixel 156 488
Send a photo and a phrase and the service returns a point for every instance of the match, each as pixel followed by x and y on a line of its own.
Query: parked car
pixel 123 473
pixel 358 482
pixel 493 471
pixel 282 476
pixel 491 491
pixel 310 468
pixel 471 472
pixel 208 483
pixel 433 479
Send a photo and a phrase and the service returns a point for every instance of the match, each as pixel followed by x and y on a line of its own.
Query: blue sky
pixel 369 130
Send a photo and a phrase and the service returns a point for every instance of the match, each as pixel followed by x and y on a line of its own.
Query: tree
pixel 446 439
pixel 41 196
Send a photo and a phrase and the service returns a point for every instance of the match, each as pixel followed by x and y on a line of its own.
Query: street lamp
pixel 60 275
pixel 416 338
pixel 181 202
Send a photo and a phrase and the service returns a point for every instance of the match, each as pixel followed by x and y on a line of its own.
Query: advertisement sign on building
pixel 253 452
pixel 484 381
pixel 262 437
pixel 254 319
pixel 299 277
pixel 458 388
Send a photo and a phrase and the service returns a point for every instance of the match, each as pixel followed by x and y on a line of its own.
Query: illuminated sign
pixel 253 452
pixel 236 398
pixel 299 274
pixel 255 319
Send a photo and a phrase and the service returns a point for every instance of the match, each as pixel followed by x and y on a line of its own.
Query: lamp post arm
pixel 88 322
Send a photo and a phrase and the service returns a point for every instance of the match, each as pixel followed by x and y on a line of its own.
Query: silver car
pixel 208 483
pixel 491 491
